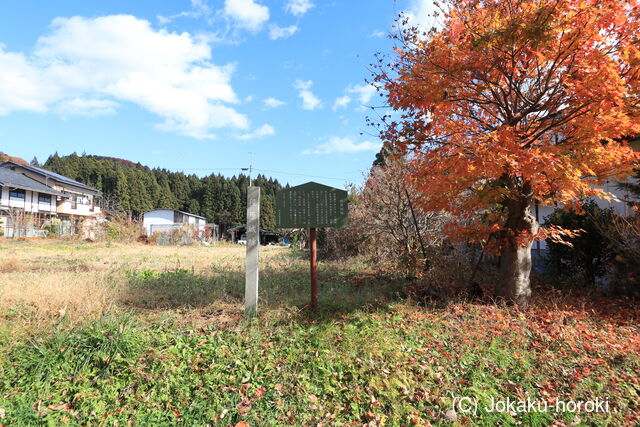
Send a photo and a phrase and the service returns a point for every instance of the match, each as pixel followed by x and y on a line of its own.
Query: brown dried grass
pixel 42 282
pixel 44 295
pixel 12 265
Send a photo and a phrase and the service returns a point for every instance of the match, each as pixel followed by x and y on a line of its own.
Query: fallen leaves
pixel 396 366
pixel 244 407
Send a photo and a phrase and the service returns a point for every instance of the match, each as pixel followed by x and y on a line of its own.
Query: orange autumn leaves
pixel 541 92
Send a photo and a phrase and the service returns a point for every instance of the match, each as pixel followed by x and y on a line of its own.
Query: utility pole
pixel 250 168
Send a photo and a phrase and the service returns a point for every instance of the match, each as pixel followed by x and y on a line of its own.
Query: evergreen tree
pixel 267 212
pixel 121 191
pixel 193 207
pixel 136 188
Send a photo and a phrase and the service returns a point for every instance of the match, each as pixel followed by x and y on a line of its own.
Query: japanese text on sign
pixel 312 205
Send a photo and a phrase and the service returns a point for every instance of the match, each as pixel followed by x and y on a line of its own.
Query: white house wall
pixel 65 208
pixel 157 217
pixel 30 203
pixel 165 217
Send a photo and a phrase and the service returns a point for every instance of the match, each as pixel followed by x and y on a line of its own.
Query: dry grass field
pixel 51 278
pixel 44 280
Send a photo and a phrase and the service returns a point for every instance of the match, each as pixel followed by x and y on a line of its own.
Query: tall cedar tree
pixel 513 102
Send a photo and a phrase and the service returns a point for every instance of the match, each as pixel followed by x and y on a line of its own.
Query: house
pixel 77 199
pixel 21 196
pixel 620 206
pixel 162 220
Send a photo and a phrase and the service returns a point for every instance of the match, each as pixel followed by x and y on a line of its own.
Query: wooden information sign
pixel 312 206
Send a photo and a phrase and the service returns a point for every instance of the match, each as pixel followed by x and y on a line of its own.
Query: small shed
pixel 163 220
pixel 266 236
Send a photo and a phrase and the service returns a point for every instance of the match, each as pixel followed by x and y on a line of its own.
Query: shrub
pixel 588 254
pixel 340 243
pixel 623 239
pixel 122 230
pixel 51 229
pixel 386 225
pixel 184 235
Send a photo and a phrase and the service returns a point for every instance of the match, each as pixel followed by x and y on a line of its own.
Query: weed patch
pixel 172 289
pixel 12 265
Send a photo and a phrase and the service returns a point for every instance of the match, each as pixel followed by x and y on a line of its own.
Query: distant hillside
pixel 5 158
pixel 123 162
pixel 136 188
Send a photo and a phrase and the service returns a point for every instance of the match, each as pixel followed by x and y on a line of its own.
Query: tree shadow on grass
pixel 341 289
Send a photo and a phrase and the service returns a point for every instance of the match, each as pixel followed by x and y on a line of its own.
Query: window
pixel 74 202
pixel 17 194
pixel 44 198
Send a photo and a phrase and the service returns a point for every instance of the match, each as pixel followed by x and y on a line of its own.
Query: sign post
pixel 253 246
pixel 314 269
pixel 312 206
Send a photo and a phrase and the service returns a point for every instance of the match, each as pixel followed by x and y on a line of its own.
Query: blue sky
pixel 197 85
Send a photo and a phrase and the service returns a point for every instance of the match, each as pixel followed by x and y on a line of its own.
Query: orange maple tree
pixel 509 103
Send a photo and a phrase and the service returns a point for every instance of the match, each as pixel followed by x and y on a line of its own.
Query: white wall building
pixel 161 220
pixel 77 199
pixel 21 194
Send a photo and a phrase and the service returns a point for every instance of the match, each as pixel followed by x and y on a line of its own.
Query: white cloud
pixel 84 62
pixel 298 7
pixel 246 13
pixel 22 87
pixel 199 9
pixel 363 94
pixel 273 102
pixel 419 13
pixel 378 34
pixel 276 32
pixel 309 100
pixel 87 107
pixel 262 131
pixel 341 102
pixel 343 145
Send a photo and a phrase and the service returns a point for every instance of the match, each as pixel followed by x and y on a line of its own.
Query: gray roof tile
pixel 11 178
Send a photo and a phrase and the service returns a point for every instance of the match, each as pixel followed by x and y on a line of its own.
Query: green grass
pixel 369 355
pixel 390 365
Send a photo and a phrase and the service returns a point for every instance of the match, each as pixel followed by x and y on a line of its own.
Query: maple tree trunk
pixel 514 284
